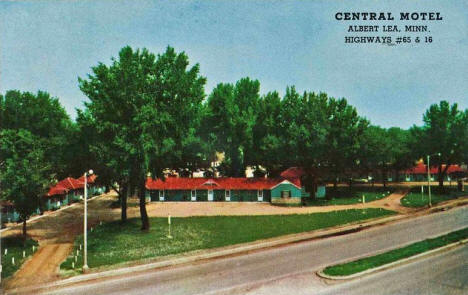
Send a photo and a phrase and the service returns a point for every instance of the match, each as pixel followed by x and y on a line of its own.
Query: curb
pixel 393 264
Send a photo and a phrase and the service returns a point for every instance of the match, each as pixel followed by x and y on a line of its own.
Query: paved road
pixel 297 262
pixel 444 273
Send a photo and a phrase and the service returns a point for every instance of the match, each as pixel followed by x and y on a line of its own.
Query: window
pixel 285 194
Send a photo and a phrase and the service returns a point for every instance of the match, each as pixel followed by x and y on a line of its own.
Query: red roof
pixel 65 185
pixel 90 179
pixel 229 183
pixel 57 190
pixel 421 168
pixel 293 172
pixel 71 183
pixel 5 203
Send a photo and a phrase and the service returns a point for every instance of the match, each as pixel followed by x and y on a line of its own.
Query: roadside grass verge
pixel 15 248
pixel 113 243
pixel 348 196
pixel 363 264
pixel 416 199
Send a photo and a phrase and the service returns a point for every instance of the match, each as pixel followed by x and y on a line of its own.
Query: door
pixel 260 195
pixel 210 195
pixel 193 196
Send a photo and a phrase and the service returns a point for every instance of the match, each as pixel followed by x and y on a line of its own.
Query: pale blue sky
pixel 47 44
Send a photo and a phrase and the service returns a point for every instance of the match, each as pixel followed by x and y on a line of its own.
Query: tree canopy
pixel 143 108
pixel 443 136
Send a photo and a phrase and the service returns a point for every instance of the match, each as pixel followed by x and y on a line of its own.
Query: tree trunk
pixel 384 177
pixel 441 178
pixel 24 230
pixel 144 215
pixel 123 202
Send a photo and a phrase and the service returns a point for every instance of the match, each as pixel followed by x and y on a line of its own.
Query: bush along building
pixel 226 189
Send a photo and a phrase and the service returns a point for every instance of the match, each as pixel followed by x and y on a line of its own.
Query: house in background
pixel 93 187
pixel 9 213
pixel 298 173
pixel 71 190
pixel 419 172
pixel 56 197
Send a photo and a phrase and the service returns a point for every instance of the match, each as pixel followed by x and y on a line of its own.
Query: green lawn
pixel 113 243
pixel 14 246
pixel 394 255
pixel 416 199
pixel 347 196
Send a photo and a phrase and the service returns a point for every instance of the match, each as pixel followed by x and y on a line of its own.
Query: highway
pixel 283 269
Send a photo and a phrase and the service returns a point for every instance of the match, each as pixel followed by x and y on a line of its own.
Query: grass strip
pixel 113 243
pixel 14 249
pixel 416 199
pixel 347 196
pixel 363 264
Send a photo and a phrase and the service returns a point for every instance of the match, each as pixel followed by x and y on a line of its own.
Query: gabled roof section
pixel 57 190
pixel 287 182
pixel 210 182
pixel 71 183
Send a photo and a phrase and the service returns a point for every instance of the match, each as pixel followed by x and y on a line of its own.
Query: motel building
pixel 70 190
pixel 419 172
pixel 228 189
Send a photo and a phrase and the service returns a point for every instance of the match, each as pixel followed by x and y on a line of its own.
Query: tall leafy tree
pixel 24 172
pixel 231 117
pixel 144 106
pixel 344 137
pixel 267 135
pixel 444 131
pixel 44 117
pixel 400 149
pixel 303 121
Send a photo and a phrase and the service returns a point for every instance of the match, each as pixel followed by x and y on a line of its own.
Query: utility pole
pixel 85 222
pixel 429 179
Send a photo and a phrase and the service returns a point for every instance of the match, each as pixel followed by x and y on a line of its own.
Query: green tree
pixel 303 121
pixel 44 117
pixel 444 131
pixel 403 157
pixel 144 106
pixel 267 135
pixel 344 138
pixel 230 119
pixel 24 172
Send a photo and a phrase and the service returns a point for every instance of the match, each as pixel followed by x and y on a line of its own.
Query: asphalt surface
pixel 443 273
pixel 294 264
pixel 446 273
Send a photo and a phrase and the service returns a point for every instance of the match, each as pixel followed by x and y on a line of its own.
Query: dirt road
pixel 55 234
pixel 183 209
